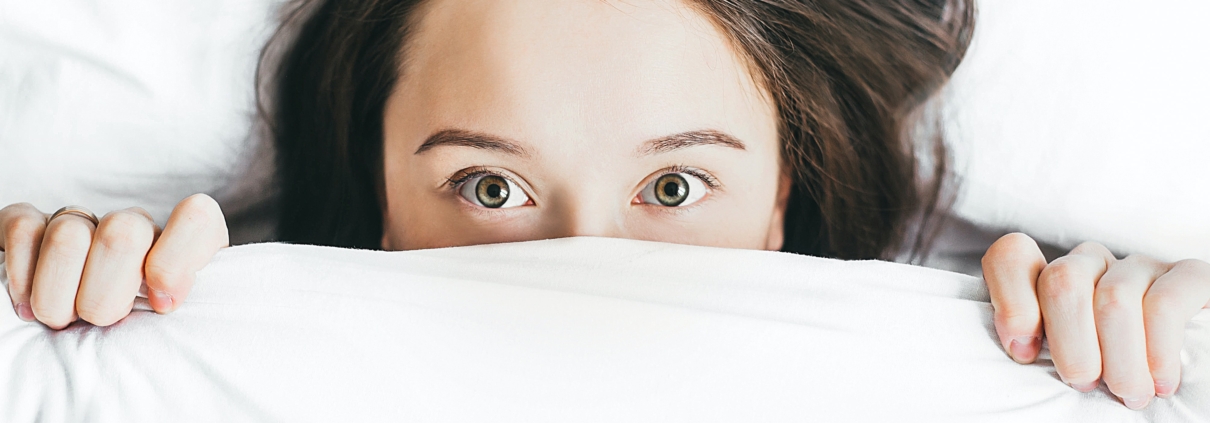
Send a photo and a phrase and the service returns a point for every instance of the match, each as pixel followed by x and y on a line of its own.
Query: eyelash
pixel 706 178
pixel 454 183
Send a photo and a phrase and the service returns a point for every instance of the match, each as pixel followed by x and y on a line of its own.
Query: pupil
pixel 492 191
pixel 671 189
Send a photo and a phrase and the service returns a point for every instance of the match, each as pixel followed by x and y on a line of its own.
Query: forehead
pixel 541 71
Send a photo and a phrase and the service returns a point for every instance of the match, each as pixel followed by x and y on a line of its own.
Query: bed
pixel 144 103
pixel 578 329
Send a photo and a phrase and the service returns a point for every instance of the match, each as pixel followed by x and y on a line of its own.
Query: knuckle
pixel 139 211
pixel 125 232
pixel 127 220
pixel 1141 260
pixel 69 237
pixel 203 212
pixel 1008 247
pixel 1193 265
pixel 22 228
pixel 1093 252
pixel 1162 306
pixel 192 216
pixel 23 208
pixel 1063 279
pixel 1088 246
pixel 199 207
pixel 1114 299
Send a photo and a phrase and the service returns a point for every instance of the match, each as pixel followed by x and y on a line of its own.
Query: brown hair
pixel 846 77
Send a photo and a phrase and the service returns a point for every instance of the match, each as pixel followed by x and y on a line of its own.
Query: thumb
pixel 1011 268
pixel 194 233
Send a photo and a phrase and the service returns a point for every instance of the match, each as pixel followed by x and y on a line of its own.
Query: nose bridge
pixel 586 212
pixel 585 188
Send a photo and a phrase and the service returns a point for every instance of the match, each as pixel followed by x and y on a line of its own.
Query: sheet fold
pixel 579 329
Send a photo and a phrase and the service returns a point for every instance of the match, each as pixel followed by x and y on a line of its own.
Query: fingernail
pixel 1136 403
pixel 160 301
pixel 25 313
pixel 1085 387
pixel 1023 349
pixel 1164 389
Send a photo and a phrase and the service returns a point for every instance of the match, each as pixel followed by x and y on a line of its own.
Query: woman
pixel 743 124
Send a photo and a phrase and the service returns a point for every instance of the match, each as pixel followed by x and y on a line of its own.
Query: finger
pixel 114 268
pixel 1095 250
pixel 1168 306
pixel 21 230
pixel 1065 292
pixel 1011 268
pixel 1121 328
pixel 57 274
pixel 1118 304
pixel 194 233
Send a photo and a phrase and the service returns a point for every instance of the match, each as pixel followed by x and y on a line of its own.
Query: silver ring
pixel 78 211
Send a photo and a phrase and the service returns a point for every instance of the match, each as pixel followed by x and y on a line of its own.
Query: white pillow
pixel 112 104
pixel 1068 127
pixel 1088 120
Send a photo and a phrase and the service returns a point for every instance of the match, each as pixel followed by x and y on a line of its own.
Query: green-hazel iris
pixel 492 191
pixel 671 190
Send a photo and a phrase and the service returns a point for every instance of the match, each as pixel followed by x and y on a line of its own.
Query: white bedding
pixel 1087 120
pixel 582 329
pixel 1063 124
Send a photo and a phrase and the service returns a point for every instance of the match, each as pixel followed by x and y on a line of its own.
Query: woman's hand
pixel 1118 320
pixel 69 269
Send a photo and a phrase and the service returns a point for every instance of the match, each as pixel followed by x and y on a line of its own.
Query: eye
pixel 493 192
pixel 674 190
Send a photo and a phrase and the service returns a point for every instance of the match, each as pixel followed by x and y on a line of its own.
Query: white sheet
pixel 582 329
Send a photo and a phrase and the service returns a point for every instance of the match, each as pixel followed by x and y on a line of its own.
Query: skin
pixel 580 94
pixel 67 269
pixel 1121 321
pixel 564 98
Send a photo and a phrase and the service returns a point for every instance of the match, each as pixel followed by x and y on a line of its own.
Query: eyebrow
pixel 464 138
pixel 690 139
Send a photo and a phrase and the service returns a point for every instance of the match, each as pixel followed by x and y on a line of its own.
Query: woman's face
pixel 530 119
